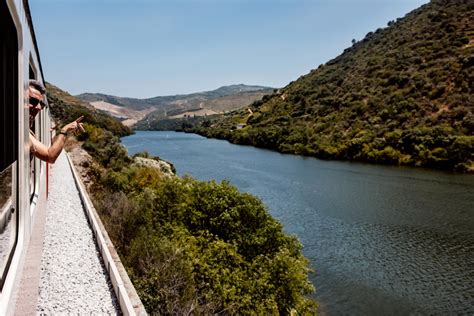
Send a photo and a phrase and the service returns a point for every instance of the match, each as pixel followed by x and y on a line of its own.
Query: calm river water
pixel 383 240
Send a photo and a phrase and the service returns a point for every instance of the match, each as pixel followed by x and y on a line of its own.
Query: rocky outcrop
pixel 165 167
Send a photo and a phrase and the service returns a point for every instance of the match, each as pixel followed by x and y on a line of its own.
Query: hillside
pixel 403 95
pixel 199 104
pixel 65 108
pixel 129 116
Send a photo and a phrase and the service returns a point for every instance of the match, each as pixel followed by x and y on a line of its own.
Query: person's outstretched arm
pixel 50 154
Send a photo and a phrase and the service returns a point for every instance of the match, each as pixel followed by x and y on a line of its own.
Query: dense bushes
pixel 403 95
pixel 201 247
pixel 208 248
pixel 104 147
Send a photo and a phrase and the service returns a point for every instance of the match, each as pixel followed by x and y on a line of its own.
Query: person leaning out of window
pixel 36 93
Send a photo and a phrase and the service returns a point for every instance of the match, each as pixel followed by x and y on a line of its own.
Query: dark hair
pixel 38 86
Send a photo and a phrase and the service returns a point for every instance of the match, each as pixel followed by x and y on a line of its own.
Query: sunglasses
pixel 34 102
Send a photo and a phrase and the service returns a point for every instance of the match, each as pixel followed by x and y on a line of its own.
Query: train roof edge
pixel 26 6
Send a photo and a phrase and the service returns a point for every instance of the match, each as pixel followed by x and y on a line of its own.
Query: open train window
pixel 34 127
pixel 8 139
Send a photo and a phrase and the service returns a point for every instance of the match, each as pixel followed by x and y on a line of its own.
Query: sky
pixel 147 48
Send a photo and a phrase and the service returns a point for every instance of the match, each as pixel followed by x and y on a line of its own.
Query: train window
pixel 33 162
pixel 9 109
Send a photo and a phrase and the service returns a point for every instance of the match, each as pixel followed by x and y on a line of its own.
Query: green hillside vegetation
pixel 403 95
pixel 191 247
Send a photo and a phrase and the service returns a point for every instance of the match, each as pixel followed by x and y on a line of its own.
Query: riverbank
pixel 357 151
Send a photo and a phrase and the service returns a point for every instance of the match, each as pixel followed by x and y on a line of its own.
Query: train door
pixel 9 140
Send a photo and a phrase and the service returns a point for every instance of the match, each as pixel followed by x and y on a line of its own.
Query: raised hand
pixel 75 126
pixel 79 126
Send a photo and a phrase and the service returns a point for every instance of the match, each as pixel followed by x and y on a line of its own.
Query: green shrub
pixel 205 246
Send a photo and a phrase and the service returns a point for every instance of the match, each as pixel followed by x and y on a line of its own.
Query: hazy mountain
pixel 163 101
pixel 223 99
pixel 401 95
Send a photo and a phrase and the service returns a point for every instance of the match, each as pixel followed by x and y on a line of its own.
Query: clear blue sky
pixel 146 48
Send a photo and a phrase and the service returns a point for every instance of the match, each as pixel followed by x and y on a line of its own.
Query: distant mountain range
pixel 220 100
pixel 402 95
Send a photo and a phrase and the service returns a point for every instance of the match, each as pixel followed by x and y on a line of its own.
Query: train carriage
pixel 23 179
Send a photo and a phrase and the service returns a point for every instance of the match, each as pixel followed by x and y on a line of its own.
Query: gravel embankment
pixel 73 278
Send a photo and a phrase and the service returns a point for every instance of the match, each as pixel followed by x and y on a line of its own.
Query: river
pixel 383 240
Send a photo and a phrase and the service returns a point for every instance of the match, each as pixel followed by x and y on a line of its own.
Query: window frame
pixel 10 129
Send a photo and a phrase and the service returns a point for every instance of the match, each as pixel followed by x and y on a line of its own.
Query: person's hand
pixel 74 127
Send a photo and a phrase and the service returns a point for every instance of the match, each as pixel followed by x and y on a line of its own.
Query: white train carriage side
pixel 23 180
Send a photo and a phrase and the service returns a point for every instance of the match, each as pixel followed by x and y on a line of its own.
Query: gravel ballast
pixel 73 278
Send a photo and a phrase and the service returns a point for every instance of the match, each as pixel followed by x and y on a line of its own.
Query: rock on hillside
pixel 165 167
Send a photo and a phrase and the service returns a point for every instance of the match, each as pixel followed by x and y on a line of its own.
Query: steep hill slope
pixel 402 95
